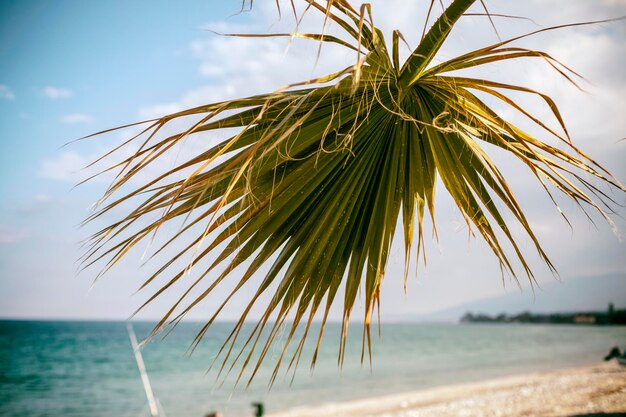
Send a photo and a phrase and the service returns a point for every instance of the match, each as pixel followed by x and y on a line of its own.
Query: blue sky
pixel 69 68
pixel 103 60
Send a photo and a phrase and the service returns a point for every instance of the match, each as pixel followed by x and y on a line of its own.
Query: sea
pixel 88 368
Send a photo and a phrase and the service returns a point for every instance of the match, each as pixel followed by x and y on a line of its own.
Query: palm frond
pixel 313 184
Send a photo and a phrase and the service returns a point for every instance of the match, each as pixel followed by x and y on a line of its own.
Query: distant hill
pixel 577 294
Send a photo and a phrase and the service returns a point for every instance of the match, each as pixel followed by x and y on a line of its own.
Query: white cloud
pixel 235 66
pixel 38 204
pixel 56 93
pixel 74 166
pixel 621 3
pixel 598 114
pixel 65 167
pixel 6 93
pixel 43 198
pixel 10 235
pixel 77 118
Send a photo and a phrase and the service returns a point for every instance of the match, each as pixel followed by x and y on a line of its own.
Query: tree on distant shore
pixel 317 176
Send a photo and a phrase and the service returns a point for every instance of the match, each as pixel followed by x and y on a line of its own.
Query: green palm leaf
pixel 313 184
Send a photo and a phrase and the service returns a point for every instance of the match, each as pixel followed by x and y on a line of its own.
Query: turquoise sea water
pixel 88 369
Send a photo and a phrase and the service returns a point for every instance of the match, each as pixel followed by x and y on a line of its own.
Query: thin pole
pixel 142 370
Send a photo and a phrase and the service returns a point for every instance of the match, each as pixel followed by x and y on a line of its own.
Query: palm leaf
pixel 313 184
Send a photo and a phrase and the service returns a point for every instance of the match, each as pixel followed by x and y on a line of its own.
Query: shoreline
pixel 575 392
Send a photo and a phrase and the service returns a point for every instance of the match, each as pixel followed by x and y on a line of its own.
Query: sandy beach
pixel 598 390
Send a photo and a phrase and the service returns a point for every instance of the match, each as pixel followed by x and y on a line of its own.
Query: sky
pixel 69 68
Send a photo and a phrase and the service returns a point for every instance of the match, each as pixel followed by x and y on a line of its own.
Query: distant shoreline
pixel 611 317
pixel 580 391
